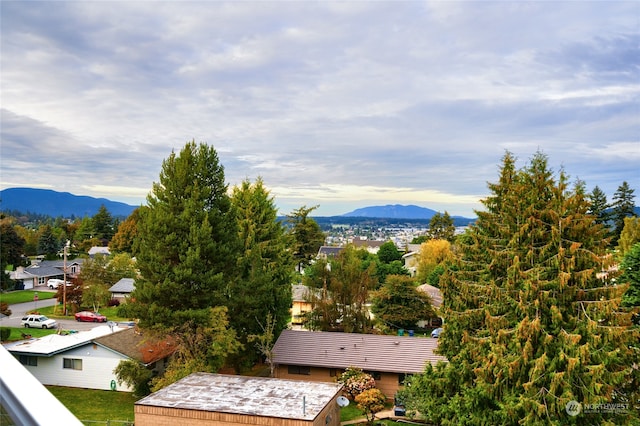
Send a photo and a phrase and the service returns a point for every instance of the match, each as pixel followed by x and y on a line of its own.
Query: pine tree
pixel 186 243
pixel 264 267
pixel 599 205
pixel 529 326
pixel 622 207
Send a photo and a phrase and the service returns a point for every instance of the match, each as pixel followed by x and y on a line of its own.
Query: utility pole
pixel 64 283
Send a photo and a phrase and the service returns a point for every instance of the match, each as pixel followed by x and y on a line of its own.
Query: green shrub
pixel 5 332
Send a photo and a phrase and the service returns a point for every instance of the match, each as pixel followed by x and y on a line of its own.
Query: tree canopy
pixel 187 241
pixel 529 326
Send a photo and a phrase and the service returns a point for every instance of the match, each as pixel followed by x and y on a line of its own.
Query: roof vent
pixel 396 343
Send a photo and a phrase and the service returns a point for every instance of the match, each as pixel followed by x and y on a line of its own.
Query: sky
pixel 341 105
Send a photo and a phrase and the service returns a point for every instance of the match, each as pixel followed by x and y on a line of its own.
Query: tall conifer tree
pixel 187 242
pixel 529 326
pixel 265 265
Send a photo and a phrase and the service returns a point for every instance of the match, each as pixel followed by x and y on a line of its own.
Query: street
pixel 20 309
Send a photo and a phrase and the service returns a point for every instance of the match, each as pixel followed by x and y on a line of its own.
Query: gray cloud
pixel 337 104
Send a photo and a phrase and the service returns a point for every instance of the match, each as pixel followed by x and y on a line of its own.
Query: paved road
pixel 19 309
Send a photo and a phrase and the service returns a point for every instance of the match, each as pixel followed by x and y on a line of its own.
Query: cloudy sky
pixel 340 104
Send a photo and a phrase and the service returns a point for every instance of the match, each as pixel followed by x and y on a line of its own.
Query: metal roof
pixel 256 396
pixel 371 352
pixel 56 343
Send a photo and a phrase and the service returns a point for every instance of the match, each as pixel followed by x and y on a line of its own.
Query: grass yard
pixel 111 312
pixel 96 405
pixel 350 412
pixel 23 296
pixel 16 333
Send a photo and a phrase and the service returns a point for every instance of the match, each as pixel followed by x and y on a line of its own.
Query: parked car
pixel 38 321
pixel 54 283
pixel 88 316
pixel 437 332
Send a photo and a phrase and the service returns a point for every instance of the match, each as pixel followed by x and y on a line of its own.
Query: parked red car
pixel 90 317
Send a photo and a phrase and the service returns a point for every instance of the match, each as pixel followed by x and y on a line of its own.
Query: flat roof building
pixel 218 399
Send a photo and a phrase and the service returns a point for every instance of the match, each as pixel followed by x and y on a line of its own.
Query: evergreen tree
pixel 47 242
pixel 264 267
pixel 308 237
pixel 622 206
pixel 11 251
pixel 103 224
pixel 529 326
pixel 598 206
pixel 187 242
pixel 630 268
pixel 441 227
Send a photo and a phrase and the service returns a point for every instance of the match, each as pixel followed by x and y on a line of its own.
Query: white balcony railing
pixel 26 400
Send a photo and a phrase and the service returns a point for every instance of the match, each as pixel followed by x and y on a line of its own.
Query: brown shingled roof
pixel 133 344
pixel 398 354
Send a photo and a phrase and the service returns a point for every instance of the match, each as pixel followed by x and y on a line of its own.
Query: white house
pixel 87 359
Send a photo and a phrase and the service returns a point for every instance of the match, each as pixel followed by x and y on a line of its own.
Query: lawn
pixel 16 333
pixel 96 405
pixel 23 296
pixel 111 312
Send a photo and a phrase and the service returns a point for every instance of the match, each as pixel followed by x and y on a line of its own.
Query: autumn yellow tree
pixel 434 255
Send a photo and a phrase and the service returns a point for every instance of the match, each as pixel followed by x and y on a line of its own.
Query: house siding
pixel 161 416
pixel 388 383
pixel 97 369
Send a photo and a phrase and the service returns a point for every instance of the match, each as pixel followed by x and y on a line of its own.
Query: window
pixel 72 363
pixel 333 372
pixel 28 360
pixel 402 377
pixel 298 369
pixel 375 374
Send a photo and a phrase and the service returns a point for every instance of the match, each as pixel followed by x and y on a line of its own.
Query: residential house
pixel 301 304
pixel 411 258
pixel 325 252
pixel 436 302
pixel 372 246
pixel 39 272
pixel 324 356
pixel 87 359
pixel 122 289
pixel 217 399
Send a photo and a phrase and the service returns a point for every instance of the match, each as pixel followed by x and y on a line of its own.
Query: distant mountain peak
pixel 393 211
pixel 56 204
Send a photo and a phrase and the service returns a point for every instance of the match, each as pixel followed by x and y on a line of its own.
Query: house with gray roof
pixel 324 356
pixel 39 272
pixel 122 289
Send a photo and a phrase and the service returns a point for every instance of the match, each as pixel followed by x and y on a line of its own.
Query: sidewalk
pixel 384 414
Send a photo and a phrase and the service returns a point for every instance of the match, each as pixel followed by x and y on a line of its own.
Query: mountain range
pixel 64 204
pixel 58 204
